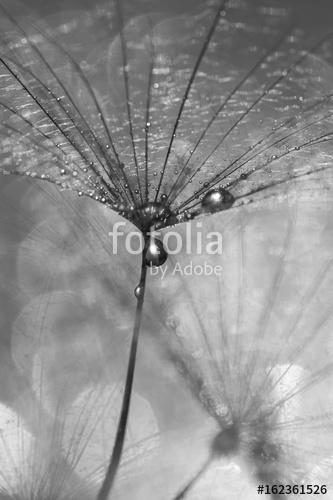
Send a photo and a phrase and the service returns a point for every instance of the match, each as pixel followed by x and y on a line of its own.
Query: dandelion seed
pixel 245 143
pixel 255 374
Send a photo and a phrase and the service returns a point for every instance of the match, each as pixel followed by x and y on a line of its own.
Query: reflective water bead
pixel 138 291
pixel 217 199
pixel 155 253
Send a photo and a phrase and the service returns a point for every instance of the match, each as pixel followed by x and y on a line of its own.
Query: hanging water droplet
pixel 217 199
pixel 75 173
pixel 138 291
pixel 155 253
pixel 62 171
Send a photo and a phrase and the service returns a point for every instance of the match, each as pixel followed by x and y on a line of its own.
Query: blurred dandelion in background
pixel 160 118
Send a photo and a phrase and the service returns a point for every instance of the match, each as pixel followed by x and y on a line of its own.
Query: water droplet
pixel 217 199
pixel 75 173
pixel 138 291
pixel 155 253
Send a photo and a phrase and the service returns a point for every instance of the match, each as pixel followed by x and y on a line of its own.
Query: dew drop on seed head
pixel 217 199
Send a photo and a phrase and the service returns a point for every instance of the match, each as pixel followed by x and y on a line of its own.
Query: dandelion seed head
pixel 82 133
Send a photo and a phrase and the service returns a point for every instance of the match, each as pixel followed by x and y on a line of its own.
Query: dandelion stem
pixel 122 424
pixel 193 481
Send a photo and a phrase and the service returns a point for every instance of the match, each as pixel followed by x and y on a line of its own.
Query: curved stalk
pixel 122 424
pixel 192 482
